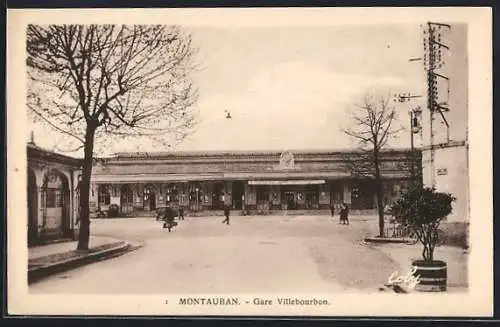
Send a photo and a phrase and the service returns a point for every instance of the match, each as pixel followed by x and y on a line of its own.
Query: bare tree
pixel 97 84
pixel 373 124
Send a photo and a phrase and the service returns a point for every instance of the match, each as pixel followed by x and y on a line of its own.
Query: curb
pixel 382 240
pixel 34 274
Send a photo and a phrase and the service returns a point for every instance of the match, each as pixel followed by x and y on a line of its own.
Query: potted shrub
pixel 421 210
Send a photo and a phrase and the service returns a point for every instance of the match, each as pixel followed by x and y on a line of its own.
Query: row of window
pixel 362 196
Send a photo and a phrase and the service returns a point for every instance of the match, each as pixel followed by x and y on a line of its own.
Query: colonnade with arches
pixel 52 196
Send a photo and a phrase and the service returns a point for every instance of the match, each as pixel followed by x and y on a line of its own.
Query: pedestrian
pixel 181 213
pixel 169 219
pixel 344 214
pixel 332 209
pixel 226 213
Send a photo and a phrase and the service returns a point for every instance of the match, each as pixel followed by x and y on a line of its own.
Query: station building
pixel 251 182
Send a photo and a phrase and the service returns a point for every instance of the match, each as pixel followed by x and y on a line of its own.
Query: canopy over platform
pixel 287 182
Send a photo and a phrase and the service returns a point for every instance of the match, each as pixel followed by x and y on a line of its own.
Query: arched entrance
pixel 32 207
pixel 55 204
pixel 126 200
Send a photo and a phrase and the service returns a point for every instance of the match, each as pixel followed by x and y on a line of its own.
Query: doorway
pixel 32 207
pixel 290 200
pixel 217 196
pixel 238 192
pixel 150 198
pixel 126 200
pixel 152 201
pixel 55 204
pixel 312 197
pixel 195 196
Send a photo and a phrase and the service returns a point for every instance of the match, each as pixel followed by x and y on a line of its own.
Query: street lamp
pixel 415 114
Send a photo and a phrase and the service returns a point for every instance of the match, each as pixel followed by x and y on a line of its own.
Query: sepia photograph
pixel 250 162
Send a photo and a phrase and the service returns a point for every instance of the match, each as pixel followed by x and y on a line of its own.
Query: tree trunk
pixel 84 234
pixel 379 194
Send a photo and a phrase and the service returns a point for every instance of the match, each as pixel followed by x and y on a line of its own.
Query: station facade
pixel 257 182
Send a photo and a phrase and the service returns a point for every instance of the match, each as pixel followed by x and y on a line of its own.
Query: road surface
pixel 252 255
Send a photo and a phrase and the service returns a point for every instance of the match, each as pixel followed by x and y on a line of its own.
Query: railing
pixel 396 230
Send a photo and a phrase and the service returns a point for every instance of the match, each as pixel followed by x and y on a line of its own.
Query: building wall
pixel 393 162
pixel 218 171
pixel 46 221
pixel 445 150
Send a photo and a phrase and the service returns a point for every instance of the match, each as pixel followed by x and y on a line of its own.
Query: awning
pixel 288 182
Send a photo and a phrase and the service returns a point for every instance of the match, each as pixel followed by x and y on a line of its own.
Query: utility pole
pixel 415 114
pixel 433 61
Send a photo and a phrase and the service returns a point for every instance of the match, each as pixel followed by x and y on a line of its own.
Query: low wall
pixel 456 234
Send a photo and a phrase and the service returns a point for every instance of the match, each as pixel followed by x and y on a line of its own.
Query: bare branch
pixel 51 124
pixel 121 77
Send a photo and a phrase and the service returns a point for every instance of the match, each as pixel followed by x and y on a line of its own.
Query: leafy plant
pixel 422 210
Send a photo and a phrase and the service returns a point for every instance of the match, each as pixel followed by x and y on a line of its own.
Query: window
pixel 52 198
pixel 52 191
pixel 172 193
pixel 104 196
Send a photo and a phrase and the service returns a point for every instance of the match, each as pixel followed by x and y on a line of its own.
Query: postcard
pixel 250 162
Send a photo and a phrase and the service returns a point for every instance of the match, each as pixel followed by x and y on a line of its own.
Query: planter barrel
pixel 433 275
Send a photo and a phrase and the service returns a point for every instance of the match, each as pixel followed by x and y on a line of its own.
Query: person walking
pixel 344 214
pixel 181 213
pixel 332 209
pixel 169 219
pixel 226 213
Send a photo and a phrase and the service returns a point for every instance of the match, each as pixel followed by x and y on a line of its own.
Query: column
pixel 245 190
pixel 93 197
pixel 347 192
pixel 228 190
pixel 40 212
pixel 76 204
pixel 74 198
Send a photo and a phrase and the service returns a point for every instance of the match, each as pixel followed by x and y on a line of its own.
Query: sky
pixel 290 87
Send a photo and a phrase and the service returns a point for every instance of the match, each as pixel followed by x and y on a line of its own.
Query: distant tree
pixel 373 123
pixel 110 83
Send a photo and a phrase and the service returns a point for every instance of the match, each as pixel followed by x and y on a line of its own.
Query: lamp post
pixel 415 114
pixel 146 195
pixel 197 198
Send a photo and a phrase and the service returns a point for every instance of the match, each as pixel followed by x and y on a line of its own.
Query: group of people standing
pixel 343 215
pixel 169 214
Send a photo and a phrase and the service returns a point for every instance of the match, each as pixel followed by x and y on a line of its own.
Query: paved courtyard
pixel 290 254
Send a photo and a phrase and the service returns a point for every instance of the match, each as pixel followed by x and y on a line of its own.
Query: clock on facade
pixel 287 160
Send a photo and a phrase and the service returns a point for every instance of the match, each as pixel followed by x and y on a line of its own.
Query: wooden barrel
pixel 433 275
